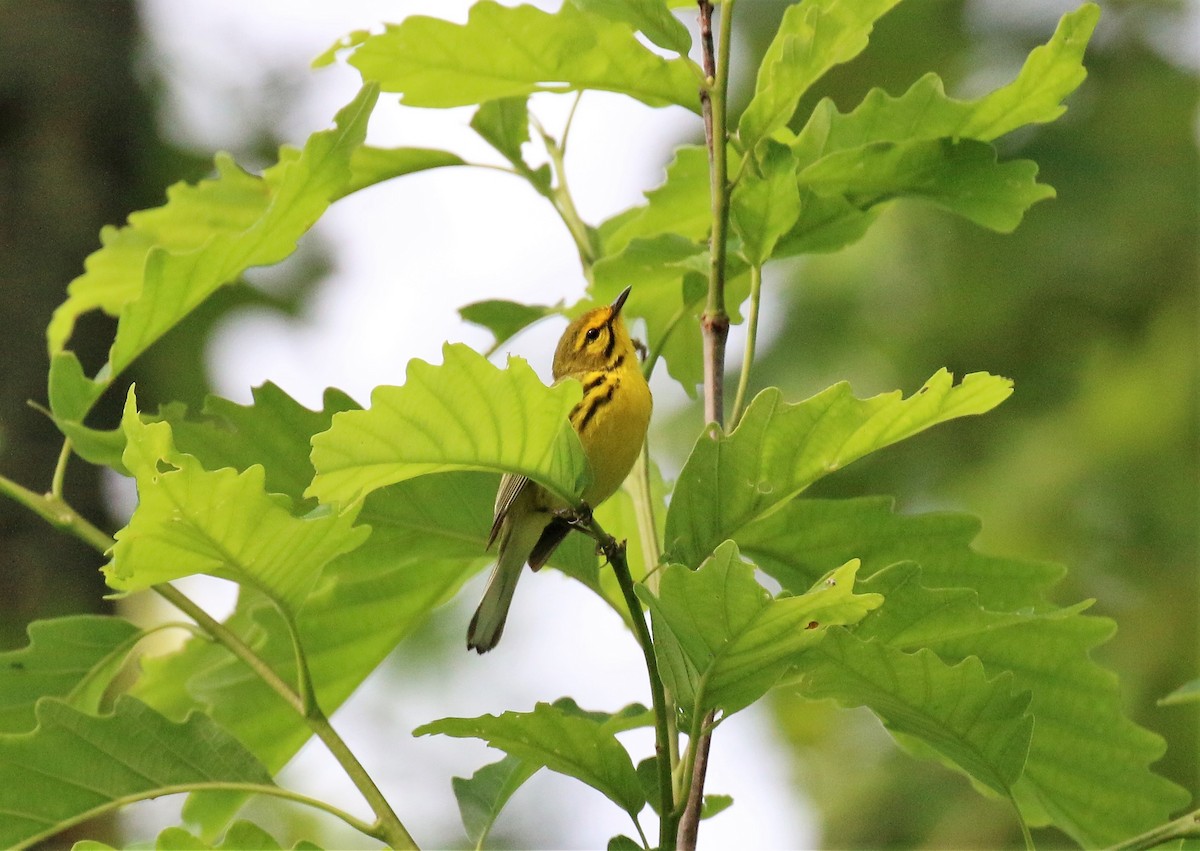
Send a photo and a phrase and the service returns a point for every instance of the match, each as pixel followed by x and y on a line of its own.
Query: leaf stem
pixel 560 198
pixel 59 514
pixel 614 551
pixel 739 400
pixel 214 786
pixel 60 469
pixel 1184 827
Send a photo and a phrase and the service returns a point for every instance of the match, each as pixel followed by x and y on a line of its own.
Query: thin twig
pixel 1184 827
pixel 739 400
pixel 614 551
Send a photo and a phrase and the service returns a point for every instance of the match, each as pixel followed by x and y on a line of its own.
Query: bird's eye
pixel 592 335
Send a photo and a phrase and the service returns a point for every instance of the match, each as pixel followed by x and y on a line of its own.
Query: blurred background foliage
pixel 1090 306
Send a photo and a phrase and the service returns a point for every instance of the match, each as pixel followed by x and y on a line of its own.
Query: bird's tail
pixel 515 545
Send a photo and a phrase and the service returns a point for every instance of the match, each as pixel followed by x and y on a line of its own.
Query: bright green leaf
pixel 483 795
pixel 505 319
pixel 168 260
pixel 681 205
pixel 779 449
pixel 74 766
pixel 71 657
pixel 725 641
pixel 962 177
pixel 224 523
pixel 463 415
pixel 976 723
pixel 514 51
pixel 370 165
pixel 650 17
pixel 813 37
pixel 562 741
pixel 714 804
pixel 825 224
pixel 765 203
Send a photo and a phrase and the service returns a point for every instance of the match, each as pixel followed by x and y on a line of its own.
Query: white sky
pixel 406 255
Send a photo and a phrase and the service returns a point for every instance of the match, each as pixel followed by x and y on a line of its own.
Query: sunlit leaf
pixel 681 205
pixel 168 260
pixel 505 52
pixel 463 415
pixel 370 165
pixel 562 741
pixel 1187 693
pixel 812 37
pixel 70 657
pixel 724 640
pixel 224 523
pixel 650 17
pixel 779 449
pixel 74 766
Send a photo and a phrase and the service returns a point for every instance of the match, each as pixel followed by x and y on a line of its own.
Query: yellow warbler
pixel 611 420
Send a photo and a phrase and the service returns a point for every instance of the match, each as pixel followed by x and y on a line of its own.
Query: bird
pixel 611 420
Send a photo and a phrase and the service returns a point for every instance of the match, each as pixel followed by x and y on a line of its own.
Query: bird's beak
pixel 619 302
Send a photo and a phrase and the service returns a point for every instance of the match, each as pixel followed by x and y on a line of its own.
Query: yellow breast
pixel 611 420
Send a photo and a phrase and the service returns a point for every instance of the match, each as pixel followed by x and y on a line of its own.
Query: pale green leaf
pixel 504 124
pixel 562 741
pixel 725 642
pixel 962 177
pixel 168 260
pixel 974 722
pixel 681 205
pixel 505 319
pixel 74 766
pixel 779 449
pixel 650 17
pixel 224 523
pixel 370 165
pixel 463 415
pixel 1087 771
pixel 825 224
pixel 813 37
pixel 483 795
pixel 505 52
pixel 70 657
pixel 765 203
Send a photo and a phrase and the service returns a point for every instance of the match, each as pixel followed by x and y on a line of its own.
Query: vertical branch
pixel 715 321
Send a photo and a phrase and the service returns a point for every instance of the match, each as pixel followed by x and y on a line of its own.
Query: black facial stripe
pixel 612 337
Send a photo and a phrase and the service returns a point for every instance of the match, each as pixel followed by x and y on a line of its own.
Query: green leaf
pixel 723 642
pixel 962 177
pixel 505 52
pixel 482 796
pixel 714 804
pixel 505 319
pixel 813 37
pixel 779 449
pixel 224 523
pixel 1087 771
pixel 504 124
pixel 155 271
pixel 650 17
pixel 825 224
pixel 681 205
pixel 562 741
pixel 765 203
pixel 71 658
pixel 464 415
pixel 273 432
pixel 370 165
pixel 75 766
pixel 806 538
pixel 240 836
pixel 427 539
pixel 1187 693
pixel 974 722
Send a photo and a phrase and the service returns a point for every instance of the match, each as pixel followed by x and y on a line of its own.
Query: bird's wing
pixel 511 486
